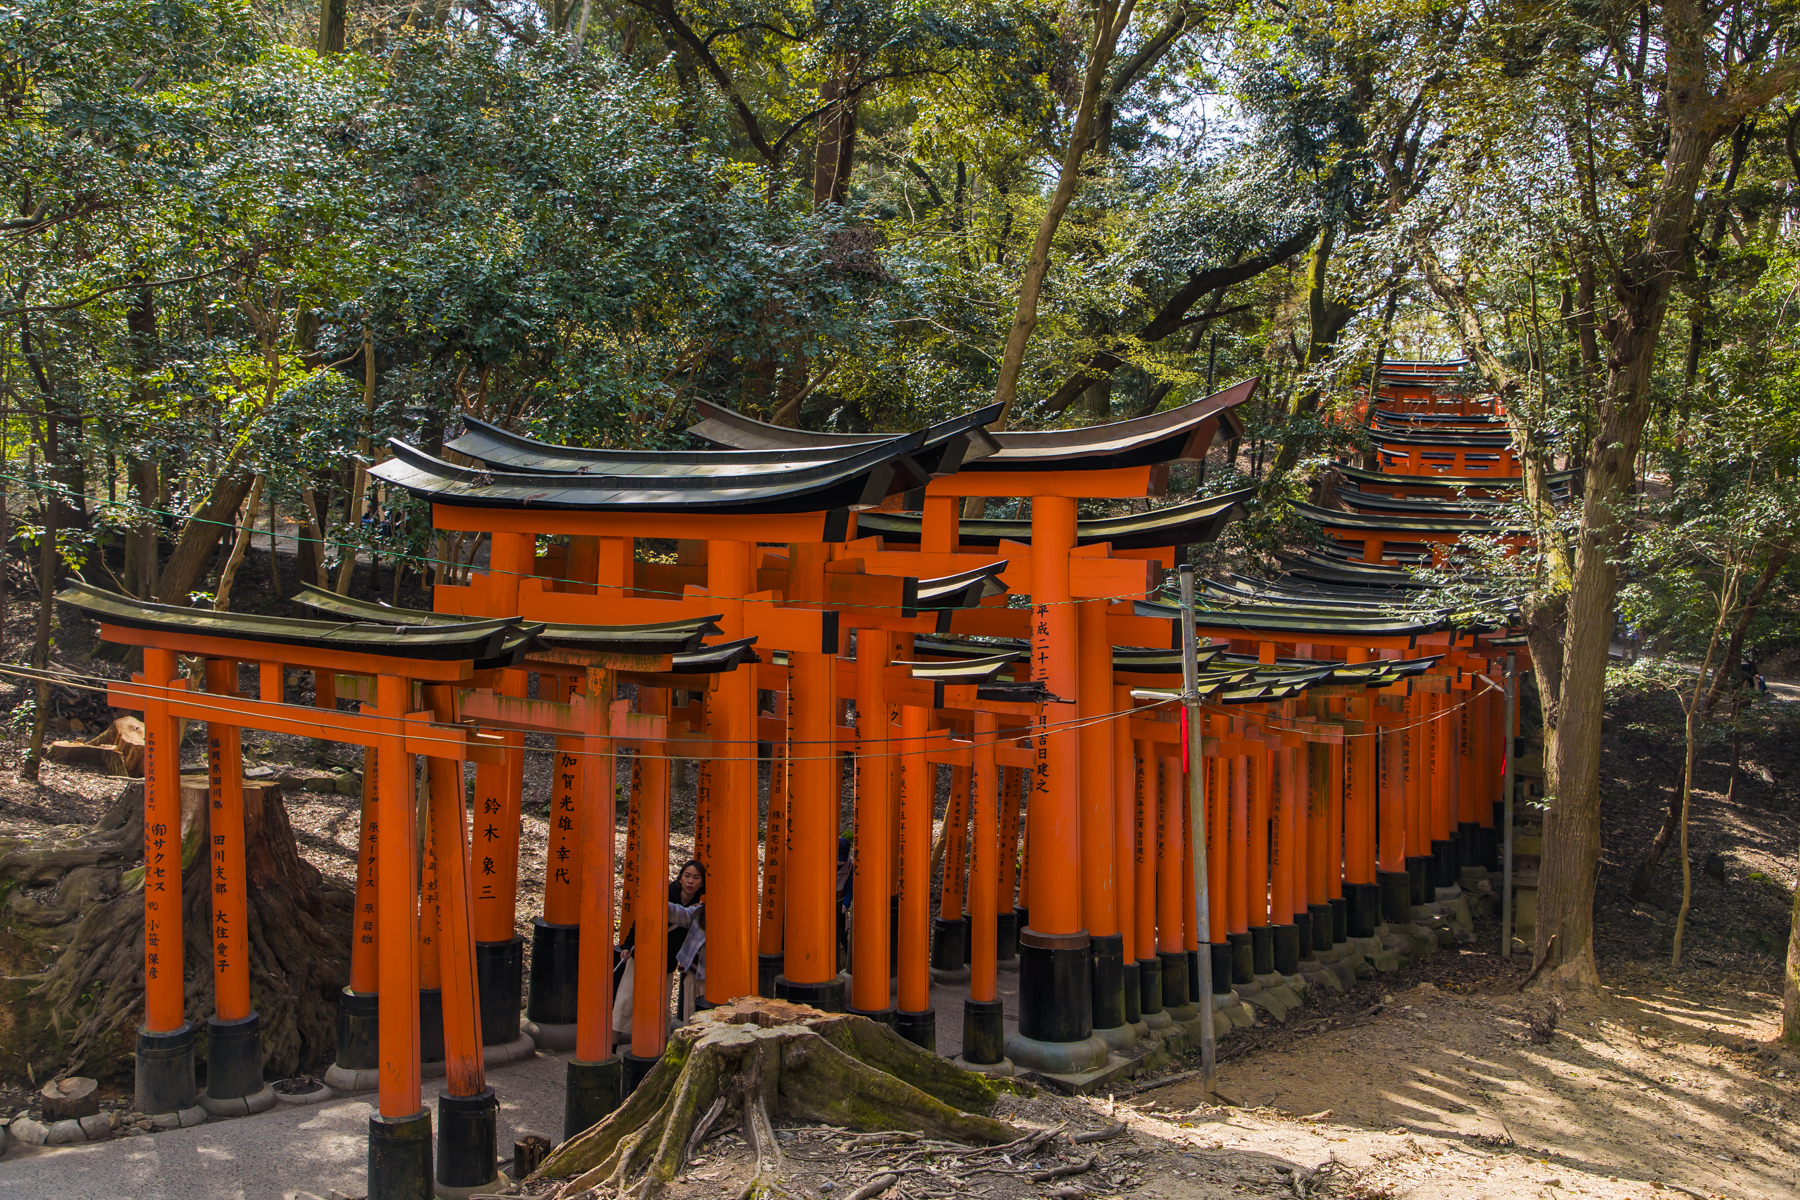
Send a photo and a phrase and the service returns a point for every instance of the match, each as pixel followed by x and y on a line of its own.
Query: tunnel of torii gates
pixel 1348 760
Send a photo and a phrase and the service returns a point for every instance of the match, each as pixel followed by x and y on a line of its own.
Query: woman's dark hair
pixel 675 883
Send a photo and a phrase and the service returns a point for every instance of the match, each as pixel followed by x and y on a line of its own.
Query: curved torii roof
pixel 1192 523
pixel 1176 435
pixel 941 448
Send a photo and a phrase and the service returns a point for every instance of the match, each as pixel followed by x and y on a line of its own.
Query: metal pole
pixel 1506 799
pixel 1197 826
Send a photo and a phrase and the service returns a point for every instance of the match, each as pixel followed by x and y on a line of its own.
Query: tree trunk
pixel 48 560
pixel 200 535
pixel 79 1012
pixel 239 546
pixel 332 14
pixel 764 1056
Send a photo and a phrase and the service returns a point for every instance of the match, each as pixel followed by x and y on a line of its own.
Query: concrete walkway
pixel 298 1153
pixel 287 1153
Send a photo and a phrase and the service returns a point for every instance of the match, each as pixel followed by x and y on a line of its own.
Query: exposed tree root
pixel 759 1057
pixel 74 967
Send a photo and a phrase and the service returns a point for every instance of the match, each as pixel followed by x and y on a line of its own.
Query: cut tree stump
pixel 69 1099
pixel 754 1058
pixel 116 750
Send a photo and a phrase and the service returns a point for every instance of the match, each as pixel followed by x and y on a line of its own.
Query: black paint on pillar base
pixel 1340 919
pixel 1488 844
pixel 165 1071
pixel 1056 995
pixel 499 987
pixel 984 1032
pixel 1134 994
pixel 1363 908
pixel 593 1090
pixel 234 1057
pixel 1006 936
pixel 1303 939
pixel 1285 948
pixel 468 1139
pixel 949 944
pixel 1418 870
pixel 431 1025
pixel 1221 968
pixel 634 1069
pixel 1396 896
pixel 1324 926
pixel 919 1028
pixel 555 972
pixel 1466 839
pixel 1174 978
pixel 1444 867
pixel 1243 957
pixel 1106 959
pixel 768 966
pixel 358 1032
pixel 826 997
pixel 894 937
pixel 1262 949
pixel 1193 957
pixel 1149 972
pixel 882 1016
pixel 400 1157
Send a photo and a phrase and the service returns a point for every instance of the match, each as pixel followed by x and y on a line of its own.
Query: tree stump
pixel 755 1058
pixel 69 1099
pixel 72 970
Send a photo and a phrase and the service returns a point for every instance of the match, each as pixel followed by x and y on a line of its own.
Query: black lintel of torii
pixel 1178 435
pixel 1448 485
pixel 1191 523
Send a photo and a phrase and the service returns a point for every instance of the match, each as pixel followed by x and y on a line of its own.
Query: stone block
pixel 63 1132
pixel 28 1131
pixel 189 1117
pixel 1270 1003
pixel 96 1126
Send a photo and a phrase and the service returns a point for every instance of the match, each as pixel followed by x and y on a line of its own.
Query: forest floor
pixel 1430 1081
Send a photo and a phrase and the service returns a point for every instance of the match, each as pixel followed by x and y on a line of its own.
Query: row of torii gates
pixel 1135 871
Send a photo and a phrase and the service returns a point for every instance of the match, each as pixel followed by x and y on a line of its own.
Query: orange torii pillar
pixel 358 1055
pixel 1172 902
pixel 915 1019
pixel 732 822
pixel 1234 859
pixel 774 881
pixel 1321 855
pixel 595 1078
pixel 984 1027
pixel 234 1051
pixel 400 1130
pixel 468 1110
pixel 1392 874
pixel 499 950
pixel 950 933
pixel 1284 859
pixel 1362 747
pixel 1221 771
pixel 1125 817
pixel 1012 801
pixel 1416 763
pixel 809 950
pixel 165 1041
pixel 1468 818
pixel 1099 829
pixel 550 1008
pixel 1261 860
pixel 1445 867
pixel 650 995
pixel 871 951
pixel 1056 1015
pixel 1146 851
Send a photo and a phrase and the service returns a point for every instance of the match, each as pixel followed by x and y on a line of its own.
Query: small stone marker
pixel 528 1153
